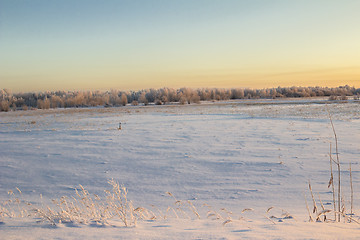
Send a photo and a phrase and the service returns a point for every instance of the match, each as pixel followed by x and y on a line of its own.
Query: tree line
pixel 68 99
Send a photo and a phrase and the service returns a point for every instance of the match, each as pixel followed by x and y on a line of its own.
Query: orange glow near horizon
pixel 192 80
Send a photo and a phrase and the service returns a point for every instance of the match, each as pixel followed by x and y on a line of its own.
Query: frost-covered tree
pixel 58 99
pixel 4 106
pixel 56 102
pixel 43 104
pixel 123 99
pixel 143 99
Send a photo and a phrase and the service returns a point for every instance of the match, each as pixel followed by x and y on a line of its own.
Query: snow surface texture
pixel 232 155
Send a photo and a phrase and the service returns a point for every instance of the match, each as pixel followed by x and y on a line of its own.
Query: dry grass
pixel 339 208
pixel 115 207
pixel 82 208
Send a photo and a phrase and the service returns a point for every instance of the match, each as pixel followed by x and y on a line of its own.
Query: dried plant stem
pixel 193 209
pixel 307 207
pixel 331 182
pixel 338 165
pixel 352 193
pixel 269 219
pixel 347 217
pixel 323 208
pixel 313 198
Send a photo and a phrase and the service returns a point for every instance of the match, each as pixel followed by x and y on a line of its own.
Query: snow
pixel 233 155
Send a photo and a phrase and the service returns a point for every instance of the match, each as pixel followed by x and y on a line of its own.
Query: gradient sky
pixel 134 44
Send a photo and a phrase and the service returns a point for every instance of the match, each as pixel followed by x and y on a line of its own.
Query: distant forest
pixel 70 99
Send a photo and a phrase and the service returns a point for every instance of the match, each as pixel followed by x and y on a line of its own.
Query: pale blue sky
pixel 86 44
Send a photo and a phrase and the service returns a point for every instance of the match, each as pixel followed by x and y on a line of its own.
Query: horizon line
pixel 174 88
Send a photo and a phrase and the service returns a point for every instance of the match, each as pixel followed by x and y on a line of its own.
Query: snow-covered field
pixel 229 156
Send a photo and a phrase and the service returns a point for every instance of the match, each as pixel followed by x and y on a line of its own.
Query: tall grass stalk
pixel 337 162
pixel 339 206
pixel 331 182
pixel 352 192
